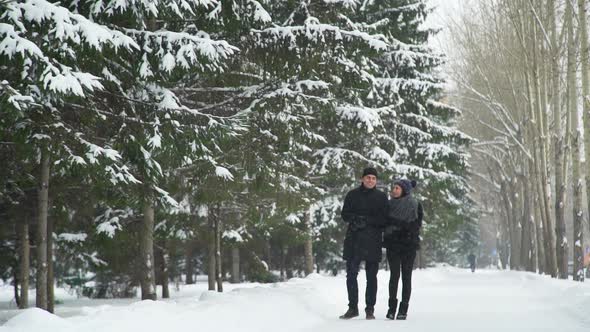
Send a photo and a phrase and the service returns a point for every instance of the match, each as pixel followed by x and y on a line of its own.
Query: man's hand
pixel 358 223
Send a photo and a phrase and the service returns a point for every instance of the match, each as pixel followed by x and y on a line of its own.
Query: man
pixel 471 259
pixel 364 210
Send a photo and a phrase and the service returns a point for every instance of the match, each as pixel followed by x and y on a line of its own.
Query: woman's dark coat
pixel 403 235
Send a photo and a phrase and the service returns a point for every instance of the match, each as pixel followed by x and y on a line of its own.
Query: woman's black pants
pixel 400 260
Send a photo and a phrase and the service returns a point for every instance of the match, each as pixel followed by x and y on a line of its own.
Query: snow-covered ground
pixel 444 299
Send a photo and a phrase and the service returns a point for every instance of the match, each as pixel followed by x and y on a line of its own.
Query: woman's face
pixel 396 192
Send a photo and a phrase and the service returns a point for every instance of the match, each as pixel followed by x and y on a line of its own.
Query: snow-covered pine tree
pixel 47 56
pixel 268 159
pixel 395 120
pixel 425 143
pixel 308 62
pixel 157 131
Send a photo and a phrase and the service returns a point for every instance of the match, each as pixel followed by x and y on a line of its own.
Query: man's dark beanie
pixel 369 171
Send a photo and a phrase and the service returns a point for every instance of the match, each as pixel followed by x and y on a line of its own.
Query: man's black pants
pixel 352 271
pixel 400 260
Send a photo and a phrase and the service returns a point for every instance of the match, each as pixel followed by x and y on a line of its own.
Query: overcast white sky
pixel 446 10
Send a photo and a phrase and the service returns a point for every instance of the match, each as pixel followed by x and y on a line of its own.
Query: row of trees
pixel 137 136
pixel 522 67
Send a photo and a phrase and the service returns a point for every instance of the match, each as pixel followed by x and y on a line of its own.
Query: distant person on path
pixel 471 259
pixel 402 240
pixel 364 211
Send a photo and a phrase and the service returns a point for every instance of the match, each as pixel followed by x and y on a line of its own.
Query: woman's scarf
pixel 403 209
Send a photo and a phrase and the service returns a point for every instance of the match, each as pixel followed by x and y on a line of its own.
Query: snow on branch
pixel 422 173
pixel 60 28
pixel 61 24
pixel 338 158
pixel 434 128
pixel 260 14
pixel 368 117
pixel 150 7
pixel 182 49
pixel 398 84
pixel 71 237
pixel 15 98
pixel 288 91
pixel 110 220
pixel 408 58
pixel 435 151
pixel 448 108
pixel 318 33
pixel 54 76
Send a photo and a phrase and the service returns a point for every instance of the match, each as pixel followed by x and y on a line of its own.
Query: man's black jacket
pixel 365 212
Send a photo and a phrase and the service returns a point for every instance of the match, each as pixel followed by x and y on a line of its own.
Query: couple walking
pixel 375 222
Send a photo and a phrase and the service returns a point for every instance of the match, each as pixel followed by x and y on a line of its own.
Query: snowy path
pixel 444 299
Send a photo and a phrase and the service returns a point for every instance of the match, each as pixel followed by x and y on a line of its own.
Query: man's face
pixel 396 192
pixel 369 181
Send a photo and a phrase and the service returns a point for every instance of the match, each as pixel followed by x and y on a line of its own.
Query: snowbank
pixel 444 299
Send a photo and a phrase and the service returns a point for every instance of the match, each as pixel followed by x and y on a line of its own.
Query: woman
pixel 402 240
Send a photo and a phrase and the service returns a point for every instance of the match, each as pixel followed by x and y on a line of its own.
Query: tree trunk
pixel 41 284
pixel 50 273
pixel 511 221
pixel 532 133
pixel 503 239
pixel 282 263
pixel 211 264
pixel 218 265
pixel 421 252
pixel 146 245
pixel 517 226
pixel 24 265
pixel 235 265
pixel 539 179
pixel 189 263
pixel 268 254
pixel 173 271
pixel 541 259
pixel 560 174
pixel 562 245
pixel 526 256
pixel 578 156
pixel 529 221
pixel 148 274
pixel 163 270
pixel 586 102
pixel 544 168
pixel 308 244
pixel 15 288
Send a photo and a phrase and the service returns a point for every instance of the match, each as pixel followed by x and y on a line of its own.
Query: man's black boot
pixel 350 313
pixel 370 313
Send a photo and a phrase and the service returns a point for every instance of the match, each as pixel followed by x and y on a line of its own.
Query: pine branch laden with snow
pixel 158 129
pixel 417 137
pixel 345 66
pixel 304 41
pixel 111 220
pixel 41 45
pixel 47 62
pixel 278 141
pixel 273 109
pixel 145 8
pixel 164 51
